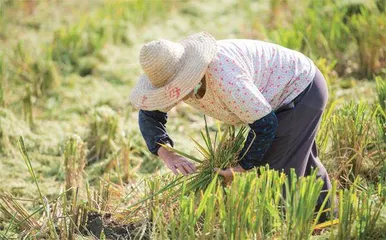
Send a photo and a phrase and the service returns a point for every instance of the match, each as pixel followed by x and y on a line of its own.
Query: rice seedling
pixel 120 166
pixel 381 115
pixel 322 138
pixel 351 138
pixel 368 212
pixel 300 202
pixel 37 72
pixel 33 175
pixel 3 81
pixel 319 32
pixel 27 108
pixel 256 208
pixel 220 152
pixel 75 153
pixel 103 130
pixel 359 212
pixel 136 11
pixel 249 208
pixel 369 27
pixel 71 44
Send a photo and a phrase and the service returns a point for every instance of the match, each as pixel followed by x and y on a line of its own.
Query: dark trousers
pixel 294 145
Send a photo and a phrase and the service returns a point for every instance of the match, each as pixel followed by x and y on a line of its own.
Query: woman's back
pixel 279 73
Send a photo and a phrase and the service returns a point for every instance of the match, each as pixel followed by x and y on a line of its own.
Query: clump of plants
pixel 381 114
pixel 103 130
pixel 40 74
pixel 220 151
pixel 352 142
pixel 11 128
pixel 73 46
pixel 255 207
pixel 368 28
pixel 75 153
pixel 3 81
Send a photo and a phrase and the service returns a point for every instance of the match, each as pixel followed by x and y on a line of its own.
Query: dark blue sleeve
pixel 265 130
pixel 153 129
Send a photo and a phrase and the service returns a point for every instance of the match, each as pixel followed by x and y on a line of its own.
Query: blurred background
pixel 67 67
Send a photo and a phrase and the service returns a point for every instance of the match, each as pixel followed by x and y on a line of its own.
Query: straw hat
pixel 172 70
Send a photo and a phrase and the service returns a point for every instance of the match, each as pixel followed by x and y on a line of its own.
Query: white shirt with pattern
pixel 248 79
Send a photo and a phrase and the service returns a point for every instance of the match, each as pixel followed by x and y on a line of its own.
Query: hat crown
pixel 160 60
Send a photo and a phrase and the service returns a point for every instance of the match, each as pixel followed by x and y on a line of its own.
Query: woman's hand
pixel 228 173
pixel 175 162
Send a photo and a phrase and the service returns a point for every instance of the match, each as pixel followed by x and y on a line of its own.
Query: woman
pixel 278 92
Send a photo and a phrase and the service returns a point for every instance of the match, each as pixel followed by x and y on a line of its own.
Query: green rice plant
pixel 327 67
pixel 351 140
pixel 368 212
pixel 75 153
pixel 249 208
pixel 322 138
pixel 72 43
pixel 103 130
pixel 300 201
pixel 347 202
pixel 359 213
pixel 136 12
pixel 318 32
pixel 255 208
pixel 38 72
pixel 11 128
pixel 70 215
pixel 75 47
pixel 369 29
pixel 27 107
pixel 43 200
pixel 381 114
pixel 220 152
pixel 120 166
pixel 3 81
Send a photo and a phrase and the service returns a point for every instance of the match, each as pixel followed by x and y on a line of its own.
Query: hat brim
pixel 200 49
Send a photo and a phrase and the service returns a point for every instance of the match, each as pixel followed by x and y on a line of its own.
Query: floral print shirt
pixel 248 79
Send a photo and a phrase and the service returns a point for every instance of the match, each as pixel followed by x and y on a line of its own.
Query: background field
pixel 67 67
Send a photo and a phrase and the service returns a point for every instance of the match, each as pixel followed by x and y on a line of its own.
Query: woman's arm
pixel 152 125
pixel 258 141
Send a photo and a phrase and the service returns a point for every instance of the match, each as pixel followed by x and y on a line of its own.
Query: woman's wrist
pixel 164 153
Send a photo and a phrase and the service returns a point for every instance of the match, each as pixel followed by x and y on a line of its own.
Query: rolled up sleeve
pixel 259 140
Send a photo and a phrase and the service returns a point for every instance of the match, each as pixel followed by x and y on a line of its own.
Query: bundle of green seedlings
pixel 220 152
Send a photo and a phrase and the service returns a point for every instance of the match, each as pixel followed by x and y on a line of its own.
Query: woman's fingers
pixel 181 165
pixel 174 170
pixel 189 167
pixel 181 168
